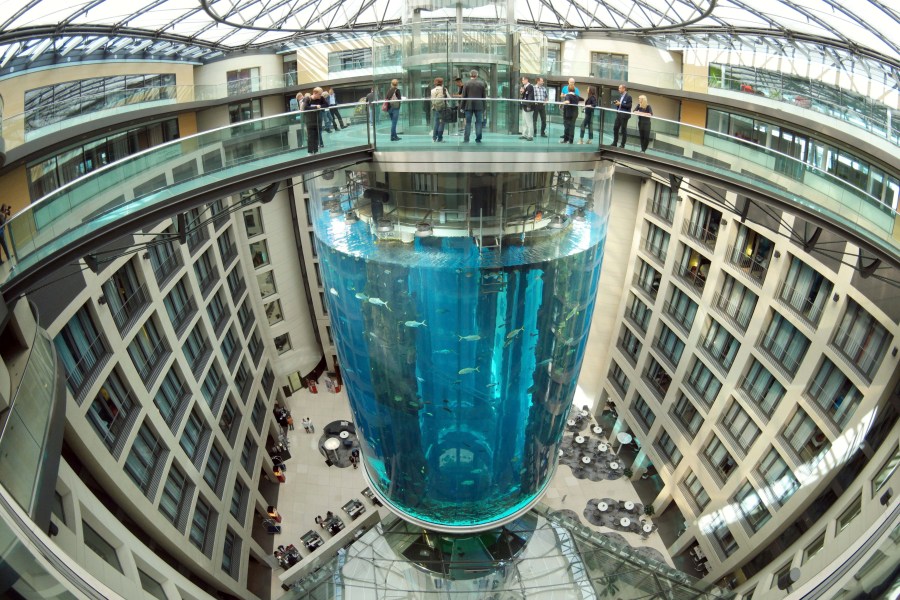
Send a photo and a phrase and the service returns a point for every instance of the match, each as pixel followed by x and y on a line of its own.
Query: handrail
pixel 220 162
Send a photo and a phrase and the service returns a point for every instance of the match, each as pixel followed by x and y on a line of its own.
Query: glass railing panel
pixel 26 422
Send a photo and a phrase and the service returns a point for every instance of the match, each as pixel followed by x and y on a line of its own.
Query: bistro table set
pixel 590 456
pixel 620 515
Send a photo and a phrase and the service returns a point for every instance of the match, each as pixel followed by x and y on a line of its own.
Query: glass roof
pixel 832 30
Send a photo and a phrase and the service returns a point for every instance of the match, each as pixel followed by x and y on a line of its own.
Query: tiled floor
pixel 312 488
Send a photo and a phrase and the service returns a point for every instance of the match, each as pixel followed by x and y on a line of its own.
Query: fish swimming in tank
pixel 445 351
pixel 361 296
pixel 469 338
pixel 468 370
pixel 379 302
pixel 415 324
pixel 334 292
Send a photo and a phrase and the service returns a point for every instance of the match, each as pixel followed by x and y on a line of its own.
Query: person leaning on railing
pixel 644 113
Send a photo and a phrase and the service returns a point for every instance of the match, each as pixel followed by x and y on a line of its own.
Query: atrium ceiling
pixel 859 35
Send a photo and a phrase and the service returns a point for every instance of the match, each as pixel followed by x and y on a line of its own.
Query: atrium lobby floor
pixel 312 488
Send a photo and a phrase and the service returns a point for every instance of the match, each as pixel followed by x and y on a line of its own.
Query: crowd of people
pixel 468 103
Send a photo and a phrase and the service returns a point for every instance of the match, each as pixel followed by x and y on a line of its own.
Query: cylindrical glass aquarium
pixel 460 320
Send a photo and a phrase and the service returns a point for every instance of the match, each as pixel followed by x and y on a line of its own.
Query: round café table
pixel 629 506
pixel 584 414
pixel 624 438
pixel 597 429
pixel 561 452
pixel 625 522
pixel 571 422
pixel 613 465
pixel 344 435
pixel 602 448
pixel 331 443
pixel 579 439
pixel 602 506
pixel 586 459
pixel 648 528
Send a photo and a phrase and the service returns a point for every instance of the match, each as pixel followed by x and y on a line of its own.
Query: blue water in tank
pixel 460 365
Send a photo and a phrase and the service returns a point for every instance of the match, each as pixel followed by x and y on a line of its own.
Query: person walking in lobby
pixel 623 107
pixel 393 99
pixel 439 109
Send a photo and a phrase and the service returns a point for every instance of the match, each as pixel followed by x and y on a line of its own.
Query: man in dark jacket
pixel 474 92
pixel 623 106
pixel 312 107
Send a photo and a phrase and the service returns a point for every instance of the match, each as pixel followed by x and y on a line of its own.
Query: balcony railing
pixel 650 287
pixel 656 250
pixel 149 370
pixel 167 268
pixel 720 355
pixel 199 361
pixel 83 374
pixel 693 276
pixel 679 317
pixel 639 323
pixel 631 353
pixel 209 281
pixel 863 361
pixel 620 386
pixel 659 382
pixel 785 361
pixel 131 309
pixel 735 312
pixel 182 318
pixel 753 267
pixel 228 255
pixel 800 303
pixel 664 209
pixel 671 353
pixel 706 235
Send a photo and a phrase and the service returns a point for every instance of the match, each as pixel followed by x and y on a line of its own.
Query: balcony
pixel 81 376
pixel 655 250
pixel 182 318
pixel 786 361
pixel 127 314
pixel 658 381
pixel 679 317
pixel 863 361
pixel 639 321
pixel 229 254
pixel 152 365
pixel 706 235
pixel 754 268
pixel 733 312
pixel 649 286
pixel 800 304
pixel 167 268
pixel 620 383
pixel 208 282
pixel 669 352
pixel 664 209
pixel 694 276
pixel 630 350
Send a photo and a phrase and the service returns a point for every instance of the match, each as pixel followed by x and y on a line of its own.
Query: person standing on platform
pixel 644 111
pixel 541 95
pixel 439 106
pixel 393 99
pixel 371 107
pixel 474 92
pixel 570 115
pixel 589 105
pixel 335 113
pixel 623 107
pixel 5 212
pixel 311 108
pixel 527 105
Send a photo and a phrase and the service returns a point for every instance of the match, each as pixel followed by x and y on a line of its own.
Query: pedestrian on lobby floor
pixel 527 104
pixel 623 107
pixel 589 105
pixel 439 109
pixel 307 425
pixel 541 95
pixel 393 99
pixel 474 92
pixel 645 111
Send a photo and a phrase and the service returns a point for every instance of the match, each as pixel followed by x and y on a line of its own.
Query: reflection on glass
pixel 273 312
pixel 259 251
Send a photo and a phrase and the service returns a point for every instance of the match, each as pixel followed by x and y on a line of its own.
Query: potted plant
pixel 649 510
pixel 627 472
pixel 610 587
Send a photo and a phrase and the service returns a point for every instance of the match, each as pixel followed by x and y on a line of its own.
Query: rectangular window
pixel 638 313
pixel 719 459
pixel 229 421
pixel 775 472
pixel 723 535
pixel 151 586
pixel 82 350
pixel 805 291
pixel 282 343
pixel 849 514
pixel 804 437
pixel 762 389
pixel 219 211
pixel 693 269
pixel 216 470
pixel 246 110
pixel 752 508
pixel 248 454
pixel 668 450
pixel 196 349
pixel 719 345
pixel 703 224
pixel 194 436
pixel 657 379
pixel 670 346
pixel 814 548
pixel 180 306
pixel 784 344
pixel 143 461
pixel 736 302
pixel 253 222
pixel 230 553
pixel 663 203
pixel 236 283
pixel 266 283
pixel 148 350
pixel 126 297
pixel 255 346
pixel 213 388
pixel 195 228
pixel 111 413
pixel 687 415
pixel 884 474
pixel 861 340
pixel 243 81
pixel 702 383
pixel 740 427
pixel 695 491
pixel 834 393
pixel 647 279
pixel 231 348
pixel 175 496
pixel 202 525
pixel 101 547
pixel 643 412
pixel 259 252
pixel 268 380
pixel 243 379
pixel 206 271
pixel 656 242
pixel 681 308
pixel 217 310
pixel 227 247
pixel 630 345
pixel 349 60
pixel 257 417
pixel 238 501
pixel 609 66
pixel 165 259
pixel 751 254
pixel 619 379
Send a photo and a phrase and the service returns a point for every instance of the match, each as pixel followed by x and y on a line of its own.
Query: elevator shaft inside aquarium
pixel 461 360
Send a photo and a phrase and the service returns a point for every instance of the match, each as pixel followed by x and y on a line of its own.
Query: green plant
pixel 610 587
pixel 628 472
pixel 649 510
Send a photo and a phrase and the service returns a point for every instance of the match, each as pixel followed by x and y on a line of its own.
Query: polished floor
pixel 312 488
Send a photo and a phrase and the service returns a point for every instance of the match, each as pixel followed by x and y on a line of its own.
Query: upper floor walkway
pixel 167 180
